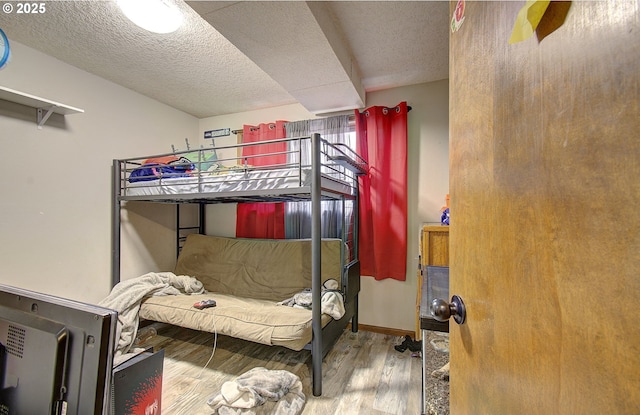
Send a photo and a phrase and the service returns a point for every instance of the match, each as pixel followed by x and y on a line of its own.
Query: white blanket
pixel 127 295
pixel 331 301
pixel 248 393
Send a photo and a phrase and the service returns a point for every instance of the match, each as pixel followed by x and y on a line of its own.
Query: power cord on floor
pixel 215 343
pixel 189 394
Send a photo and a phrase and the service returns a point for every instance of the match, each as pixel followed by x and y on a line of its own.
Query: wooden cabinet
pixel 434 245
pixel 434 251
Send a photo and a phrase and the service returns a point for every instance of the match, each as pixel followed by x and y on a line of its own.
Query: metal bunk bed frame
pixel 322 338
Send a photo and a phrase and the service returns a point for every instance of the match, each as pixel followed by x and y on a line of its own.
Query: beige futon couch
pixel 247 278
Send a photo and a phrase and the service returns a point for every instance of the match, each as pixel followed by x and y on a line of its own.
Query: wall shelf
pixel 43 106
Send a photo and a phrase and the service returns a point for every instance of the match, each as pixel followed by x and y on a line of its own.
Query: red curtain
pixel 382 140
pixel 262 220
pixel 264 132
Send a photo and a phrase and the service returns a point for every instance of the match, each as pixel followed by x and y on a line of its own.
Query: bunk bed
pixel 315 170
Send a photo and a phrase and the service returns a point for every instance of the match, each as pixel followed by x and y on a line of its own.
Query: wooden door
pixel 545 212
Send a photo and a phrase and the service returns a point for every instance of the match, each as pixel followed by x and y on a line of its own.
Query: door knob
pixel 442 311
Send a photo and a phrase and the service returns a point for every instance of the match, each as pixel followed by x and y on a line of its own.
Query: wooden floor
pixel 362 374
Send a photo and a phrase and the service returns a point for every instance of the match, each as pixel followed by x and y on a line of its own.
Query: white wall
pixel 55 206
pixel 386 303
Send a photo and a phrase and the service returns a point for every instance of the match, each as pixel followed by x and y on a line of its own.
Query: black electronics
pixel 56 355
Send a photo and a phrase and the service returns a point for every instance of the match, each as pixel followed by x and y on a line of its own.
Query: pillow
pixel 208 157
pixel 175 162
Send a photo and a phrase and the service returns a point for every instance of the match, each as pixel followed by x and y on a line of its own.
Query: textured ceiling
pixel 232 57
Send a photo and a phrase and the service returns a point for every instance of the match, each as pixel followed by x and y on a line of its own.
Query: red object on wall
pixel 382 140
pixel 262 220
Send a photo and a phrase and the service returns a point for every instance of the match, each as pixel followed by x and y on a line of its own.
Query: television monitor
pixel 56 354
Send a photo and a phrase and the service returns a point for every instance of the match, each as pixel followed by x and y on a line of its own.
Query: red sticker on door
pixel 458 16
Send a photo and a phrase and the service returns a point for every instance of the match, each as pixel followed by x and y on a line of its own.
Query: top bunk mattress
pixel 246 180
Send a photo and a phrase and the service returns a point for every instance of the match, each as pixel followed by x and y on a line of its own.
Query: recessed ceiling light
pixel 158 16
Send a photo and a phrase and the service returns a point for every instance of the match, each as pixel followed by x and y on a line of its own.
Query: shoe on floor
pixel 404 345
pixel 409 343
pixel 415 345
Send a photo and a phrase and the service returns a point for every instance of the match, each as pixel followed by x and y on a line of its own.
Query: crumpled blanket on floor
pixel 331 301
pixel 126 296
pixel 254 393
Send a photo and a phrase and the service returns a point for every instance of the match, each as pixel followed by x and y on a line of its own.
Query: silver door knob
pixel 442 311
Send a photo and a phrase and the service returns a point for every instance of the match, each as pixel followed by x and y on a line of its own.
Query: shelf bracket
pixel 43 118
pixel 44 107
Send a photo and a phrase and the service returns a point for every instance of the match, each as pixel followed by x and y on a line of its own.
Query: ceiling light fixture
pixel 158 16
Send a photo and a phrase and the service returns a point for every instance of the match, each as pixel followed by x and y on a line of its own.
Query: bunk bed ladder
pixel 183 231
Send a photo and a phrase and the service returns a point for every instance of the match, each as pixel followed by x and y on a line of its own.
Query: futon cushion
pixel 262 269
pixel 259 321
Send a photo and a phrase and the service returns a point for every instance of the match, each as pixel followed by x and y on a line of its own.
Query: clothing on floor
pixel 251 393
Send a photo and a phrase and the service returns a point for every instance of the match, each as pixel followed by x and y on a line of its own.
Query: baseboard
pixel 385 330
